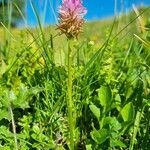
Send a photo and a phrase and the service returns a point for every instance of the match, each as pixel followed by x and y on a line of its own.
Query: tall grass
pixel 108 85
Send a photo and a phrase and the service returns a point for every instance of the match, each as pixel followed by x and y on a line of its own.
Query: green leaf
pixel 118 102
pixel 95 110
pixel 117 142
pixel 147 102
pixel 129 92
pixel 127 112
pixel 99 136
pixel 4 114
pixel 35 90
pixel 89 147
pixel 105 96
pixel 22 100
pixel 3 67
pixel 4 99
pixel 113 123
pixel 5 147
pixel 6 133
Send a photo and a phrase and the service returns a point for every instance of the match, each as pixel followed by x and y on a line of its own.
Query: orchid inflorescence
pixel 71 14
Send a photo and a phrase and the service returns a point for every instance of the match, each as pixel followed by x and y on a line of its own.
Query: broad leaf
pixel 99 136
pixel 89 147
pixel 117 142
pixel 113 123
pixel 24 95
pixel 127 112
pixel 5 114
pixel 105 96
pixel 95 110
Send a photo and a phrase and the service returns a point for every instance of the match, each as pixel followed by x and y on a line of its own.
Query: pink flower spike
pixel 71 14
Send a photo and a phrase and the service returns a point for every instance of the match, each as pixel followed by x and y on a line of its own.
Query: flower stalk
pixel 70 103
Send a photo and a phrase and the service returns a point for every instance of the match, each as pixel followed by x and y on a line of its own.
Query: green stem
pixel 14 128
pixel 136 128
pixel 70 103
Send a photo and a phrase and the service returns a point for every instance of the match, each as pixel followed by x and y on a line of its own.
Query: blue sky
pixel 97 9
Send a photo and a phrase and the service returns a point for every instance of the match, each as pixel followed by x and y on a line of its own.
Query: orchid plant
pixel 71 20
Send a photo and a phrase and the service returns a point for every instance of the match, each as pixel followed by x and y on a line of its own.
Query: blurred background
pixel 22 12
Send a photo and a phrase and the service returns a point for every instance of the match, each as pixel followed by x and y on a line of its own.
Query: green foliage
pixel 10 11
pixel 105 96
pixel 95 110
pixel 127 112
pixel 110 90
pixel 99 136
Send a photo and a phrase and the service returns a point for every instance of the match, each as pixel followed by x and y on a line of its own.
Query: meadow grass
pixel 110 86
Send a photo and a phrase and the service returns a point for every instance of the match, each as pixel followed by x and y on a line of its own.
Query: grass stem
pixel 13 128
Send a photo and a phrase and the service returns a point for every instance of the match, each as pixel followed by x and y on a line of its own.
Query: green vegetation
pixel 111 86
pixel 10 11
